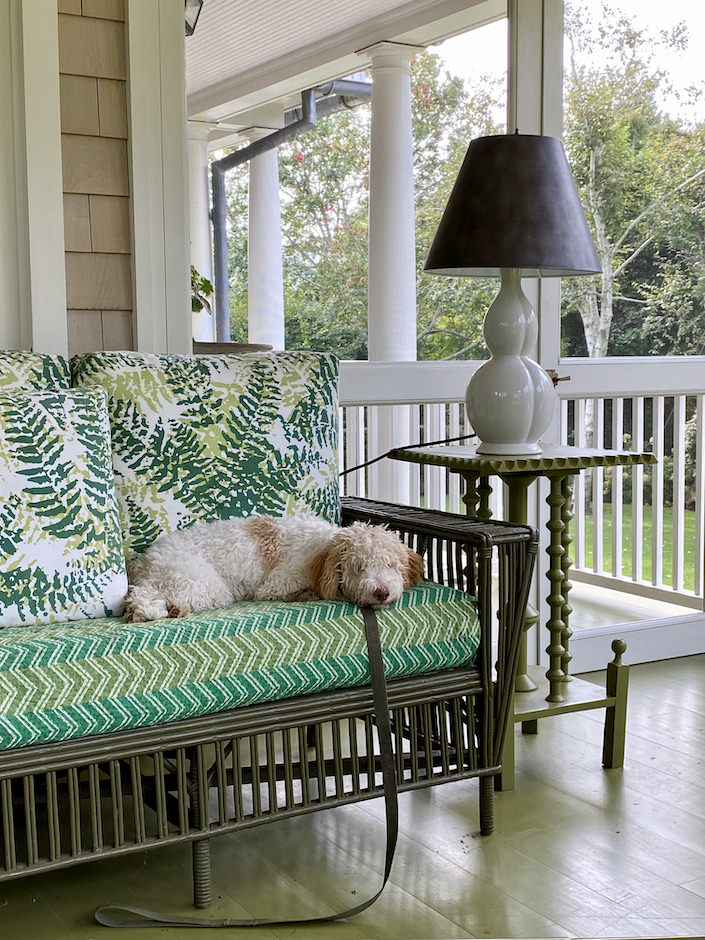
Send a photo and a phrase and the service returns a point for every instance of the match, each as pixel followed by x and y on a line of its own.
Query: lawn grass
pixel 647 542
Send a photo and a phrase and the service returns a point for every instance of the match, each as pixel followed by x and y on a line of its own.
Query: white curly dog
pixel 264 558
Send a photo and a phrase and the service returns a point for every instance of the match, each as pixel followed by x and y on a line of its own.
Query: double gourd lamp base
pixel 514 212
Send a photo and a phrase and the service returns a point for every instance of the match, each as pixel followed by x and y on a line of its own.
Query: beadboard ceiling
pixel 246 54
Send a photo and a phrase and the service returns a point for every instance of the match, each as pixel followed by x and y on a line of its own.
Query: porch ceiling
pixel 246 54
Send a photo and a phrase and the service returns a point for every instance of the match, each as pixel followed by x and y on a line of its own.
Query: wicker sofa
pixel 118 737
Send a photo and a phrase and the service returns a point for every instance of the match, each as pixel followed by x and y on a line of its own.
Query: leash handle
pixel 113 915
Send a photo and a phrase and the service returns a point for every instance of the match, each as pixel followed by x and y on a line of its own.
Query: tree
pixel 674 321
pixel 450 310
pixel 639 173
pixel 324 183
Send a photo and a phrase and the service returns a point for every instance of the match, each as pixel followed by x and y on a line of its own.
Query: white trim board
pixel 41 280
pixel 158 176
pixel 647 641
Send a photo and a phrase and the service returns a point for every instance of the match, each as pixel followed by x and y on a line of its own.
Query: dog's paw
pixel 140 613
pixel 303 594
pixel 178 610
pixel 266 594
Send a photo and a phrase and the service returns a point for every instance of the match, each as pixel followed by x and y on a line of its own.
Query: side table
pixel 557 692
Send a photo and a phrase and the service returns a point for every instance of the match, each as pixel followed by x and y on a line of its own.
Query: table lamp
pixel 514 212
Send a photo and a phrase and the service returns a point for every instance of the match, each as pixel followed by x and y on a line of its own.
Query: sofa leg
pixel 200 850
pixel 202 890
pixel 486 805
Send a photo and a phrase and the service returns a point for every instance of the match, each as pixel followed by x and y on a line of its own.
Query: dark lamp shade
pixel 514 205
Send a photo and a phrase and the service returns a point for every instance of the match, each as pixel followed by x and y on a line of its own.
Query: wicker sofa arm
pixel 493 560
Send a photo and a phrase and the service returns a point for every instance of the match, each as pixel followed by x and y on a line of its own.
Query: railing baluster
pixel 617 487
pixel 579 491
pixel 598 476
pixel 657 493
pixel 414 469
pixel 699 497
pixel 564 421
pixel 434 477
pixel 678 500
pixel 353 484
pixel 454 414
pixel 637 491
pixel 371 429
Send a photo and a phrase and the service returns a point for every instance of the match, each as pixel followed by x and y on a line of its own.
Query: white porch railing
pixel 641 527
pixel 659 510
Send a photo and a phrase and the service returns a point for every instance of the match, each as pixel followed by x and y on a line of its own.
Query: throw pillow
pixel 199 438
pixel 20 368
pixel 61 555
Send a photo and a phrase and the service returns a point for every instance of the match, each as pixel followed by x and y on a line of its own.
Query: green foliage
pixel 446 117
pixel 640 175
pixel 201 292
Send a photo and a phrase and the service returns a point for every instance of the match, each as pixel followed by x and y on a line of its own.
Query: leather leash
pixel 113 915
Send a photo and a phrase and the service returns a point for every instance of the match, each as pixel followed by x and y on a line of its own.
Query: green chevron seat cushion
pixel 61 555
pixel 211 437
pixel 96 676
pixel 21 369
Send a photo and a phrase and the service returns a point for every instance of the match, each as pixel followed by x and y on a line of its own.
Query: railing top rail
pixel 407 383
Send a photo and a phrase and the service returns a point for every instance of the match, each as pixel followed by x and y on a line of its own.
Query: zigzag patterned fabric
pixel 22 369
pixel 99 676
pixel 198 438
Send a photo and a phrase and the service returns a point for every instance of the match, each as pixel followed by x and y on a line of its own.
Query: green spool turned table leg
pixel 484 491
pixel 566 562
pixel 471 497
pixel 556 575
pixel 518 484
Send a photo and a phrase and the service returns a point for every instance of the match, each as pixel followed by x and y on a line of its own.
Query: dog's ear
pixel 413 568
pixel 324 572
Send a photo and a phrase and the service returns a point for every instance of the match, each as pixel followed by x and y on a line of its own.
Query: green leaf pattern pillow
pixel 22 369
pixel 212 437
pixel 61 555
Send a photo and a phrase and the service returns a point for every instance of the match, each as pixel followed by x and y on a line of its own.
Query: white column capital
pixel 391 55
pixel 198 130
pixel 252 134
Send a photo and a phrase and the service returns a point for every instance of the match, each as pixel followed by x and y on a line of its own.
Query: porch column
pixel 535 106
pixel 199 221
pixel 392 250
pixel 265 272
pixel 392 247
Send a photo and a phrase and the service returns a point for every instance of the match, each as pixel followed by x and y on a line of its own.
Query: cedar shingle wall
pixel 94 132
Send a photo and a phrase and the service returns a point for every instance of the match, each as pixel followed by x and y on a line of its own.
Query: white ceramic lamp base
pixel 510 399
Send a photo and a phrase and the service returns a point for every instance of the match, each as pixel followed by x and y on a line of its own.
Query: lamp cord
pixel 445 440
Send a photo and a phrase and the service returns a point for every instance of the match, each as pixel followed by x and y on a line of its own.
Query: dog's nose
pixel 381 594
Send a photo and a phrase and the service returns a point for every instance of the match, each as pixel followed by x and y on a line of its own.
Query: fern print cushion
pixel 198 438
pixel 22 369
pixel 61 555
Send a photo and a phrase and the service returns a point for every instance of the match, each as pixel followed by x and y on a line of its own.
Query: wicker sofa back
pixel 115 738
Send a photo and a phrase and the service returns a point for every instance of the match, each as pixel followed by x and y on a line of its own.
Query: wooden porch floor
pixel 578 851
pixel 601 607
